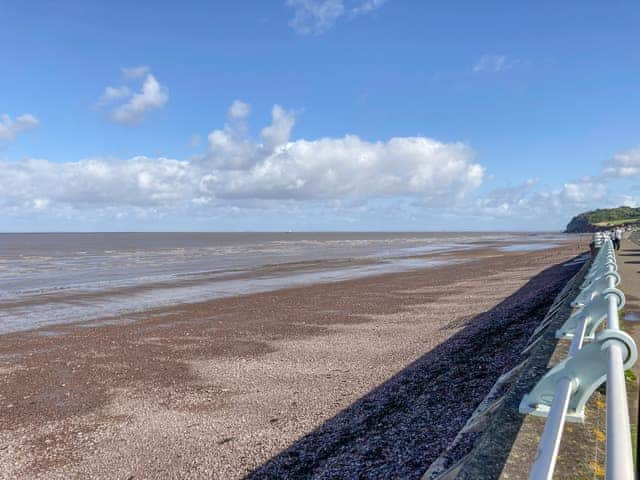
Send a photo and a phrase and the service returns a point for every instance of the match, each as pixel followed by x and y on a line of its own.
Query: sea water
pixel 58 278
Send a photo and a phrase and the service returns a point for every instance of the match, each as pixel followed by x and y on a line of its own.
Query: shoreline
pixel 211 286
pixel 222 386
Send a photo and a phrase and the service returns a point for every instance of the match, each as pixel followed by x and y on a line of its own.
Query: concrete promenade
pixel 583 446
pixel 582 452
pixel 508 445
pixel 628 258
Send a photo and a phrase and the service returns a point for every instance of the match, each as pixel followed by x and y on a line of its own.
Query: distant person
pixel 617 237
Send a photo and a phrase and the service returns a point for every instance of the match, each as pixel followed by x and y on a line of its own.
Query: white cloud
pixel 314 17
pixel 40 203
pixel 9 128
pixel 134 107
pixel 153 96
pixel 332 168
pixel 367 6
pixel 112 94
pixel 279 131
pixel 505 201
pixel 238 169
pixel 542 206
pixel 491 63
pixel 584 192
pixel 346 167
pixel 230 147
pixel 623 164
pixel 135 72
pixel 629 201
pixel 239 110
pixel 140 181
pixel 528 204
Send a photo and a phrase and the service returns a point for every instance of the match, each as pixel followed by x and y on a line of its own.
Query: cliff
pixel 602 219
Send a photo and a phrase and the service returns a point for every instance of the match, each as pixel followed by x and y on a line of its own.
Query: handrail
pixel 572 381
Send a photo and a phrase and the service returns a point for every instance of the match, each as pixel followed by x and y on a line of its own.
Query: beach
pixel 367 377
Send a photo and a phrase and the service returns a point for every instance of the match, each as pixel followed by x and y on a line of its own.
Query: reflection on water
pixel 631 317
pixel 527 247
pixel 59 278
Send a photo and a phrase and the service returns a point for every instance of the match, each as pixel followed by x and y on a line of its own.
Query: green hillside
pixel 603 218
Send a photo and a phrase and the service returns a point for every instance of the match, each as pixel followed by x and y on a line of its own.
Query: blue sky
pixel 316 114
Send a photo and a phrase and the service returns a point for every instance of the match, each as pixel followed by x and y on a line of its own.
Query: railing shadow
pixel 399 428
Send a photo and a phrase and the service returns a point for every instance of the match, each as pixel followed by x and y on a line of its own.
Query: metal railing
pixel 595 356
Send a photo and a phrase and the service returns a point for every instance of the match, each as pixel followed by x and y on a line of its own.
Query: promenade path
pixel 628 259
pixel 508 449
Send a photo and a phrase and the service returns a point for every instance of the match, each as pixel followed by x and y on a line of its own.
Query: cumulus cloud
pixel 314 17
pixel 279 131
pixel 629 201
pixel 238 168
pixel 505 201
pixel 239 110
pixel 153 96
pixel 139 181
pixel 584 192
pixel 491 63
pixel 328 168
pixel 112 94
pixel 367 6
pixel 553 206
pixel 231 148
pixel 530 201
pixel 623 164
pixel 10 128
pixel 543 205
pixel 134 107
pixel 345 167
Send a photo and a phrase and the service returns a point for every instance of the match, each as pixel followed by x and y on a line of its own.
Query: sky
pixel 306 115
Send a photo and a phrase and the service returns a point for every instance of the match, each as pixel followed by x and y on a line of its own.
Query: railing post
pixel 545 462
pixel 619 450
pixel 612 346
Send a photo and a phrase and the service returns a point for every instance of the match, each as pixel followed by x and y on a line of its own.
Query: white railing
pixel 562 393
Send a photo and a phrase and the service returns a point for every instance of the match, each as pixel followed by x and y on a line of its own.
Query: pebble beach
pixel 364 378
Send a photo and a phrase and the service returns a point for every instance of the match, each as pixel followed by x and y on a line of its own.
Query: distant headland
pixel 603 219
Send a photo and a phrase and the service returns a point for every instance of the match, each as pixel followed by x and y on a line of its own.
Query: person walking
pixel 617 237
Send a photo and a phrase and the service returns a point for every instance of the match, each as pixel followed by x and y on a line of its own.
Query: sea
pixel 60 278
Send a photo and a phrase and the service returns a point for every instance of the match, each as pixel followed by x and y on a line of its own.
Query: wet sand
pixel 219 389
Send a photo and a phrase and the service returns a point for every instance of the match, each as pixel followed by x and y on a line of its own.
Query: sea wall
pixel 505 441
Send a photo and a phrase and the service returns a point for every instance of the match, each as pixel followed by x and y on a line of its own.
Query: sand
pixel 367 378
